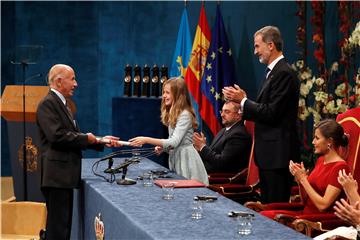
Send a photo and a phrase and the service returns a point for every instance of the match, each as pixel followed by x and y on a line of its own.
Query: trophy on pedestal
pixel 155 81
pixel 137 81
pixel 164 76
pixel 127 80
pixel 146 81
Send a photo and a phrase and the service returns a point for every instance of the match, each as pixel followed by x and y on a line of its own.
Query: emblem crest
pixel 31 155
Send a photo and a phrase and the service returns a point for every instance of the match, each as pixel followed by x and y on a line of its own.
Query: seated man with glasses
pixel 230 149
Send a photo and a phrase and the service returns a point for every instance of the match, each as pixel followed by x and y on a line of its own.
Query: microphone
pixel 33 77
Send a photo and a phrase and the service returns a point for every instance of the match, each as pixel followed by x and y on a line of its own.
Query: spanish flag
pixel 198 56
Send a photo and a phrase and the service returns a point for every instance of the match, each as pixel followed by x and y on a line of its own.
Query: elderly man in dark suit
pixel 230 149
pixel 61 145
pixel 275 115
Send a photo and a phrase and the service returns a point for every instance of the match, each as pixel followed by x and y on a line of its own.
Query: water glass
pixel 148 179
pixel 244 224
pixel 168 190
pixel 197 210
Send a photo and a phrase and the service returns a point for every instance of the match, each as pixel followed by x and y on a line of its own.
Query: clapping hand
pixel 199 141
pixel 347 181
pixel 297 170
pixel 235 93
pixel 347 212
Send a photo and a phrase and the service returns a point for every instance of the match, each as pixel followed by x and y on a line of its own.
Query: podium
pixel 12 111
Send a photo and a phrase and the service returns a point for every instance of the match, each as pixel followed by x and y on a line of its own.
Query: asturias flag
pixel 199 52
pixel 219 72
pixel 183 48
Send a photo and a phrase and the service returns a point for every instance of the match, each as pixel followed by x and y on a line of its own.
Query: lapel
pixel 269 78
pixel 217 137
pixel 63 108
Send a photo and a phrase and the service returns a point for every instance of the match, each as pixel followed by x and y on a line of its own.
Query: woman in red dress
pixel 320 189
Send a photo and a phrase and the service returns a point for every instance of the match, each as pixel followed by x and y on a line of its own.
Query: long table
pixel 138 212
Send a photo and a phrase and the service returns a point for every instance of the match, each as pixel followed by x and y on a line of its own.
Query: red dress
pixel 321 176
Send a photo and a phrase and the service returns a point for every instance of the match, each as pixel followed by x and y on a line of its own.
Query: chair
pixel 240 177
pixel 22 220
pixel 244 185
pixel 312 224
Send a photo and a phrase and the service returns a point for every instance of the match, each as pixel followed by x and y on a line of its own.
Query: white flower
pixel 309 84
pixel 300 64
pixel 316 115
pixel 302 102
pixel 305 74
pixel 304 90
pixel 319 81
pixel 334 67
pixel 331 108
pixel 340 106
pixel 340 90
pixel 303 113
pixel 321 96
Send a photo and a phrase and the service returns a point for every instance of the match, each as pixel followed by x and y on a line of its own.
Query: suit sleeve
pixel 56 131
pixel 236 145
pixel 268 112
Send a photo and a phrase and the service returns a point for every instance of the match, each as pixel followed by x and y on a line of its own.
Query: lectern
pixel 13 112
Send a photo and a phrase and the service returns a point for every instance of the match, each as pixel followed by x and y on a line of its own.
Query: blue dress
pixel 183 157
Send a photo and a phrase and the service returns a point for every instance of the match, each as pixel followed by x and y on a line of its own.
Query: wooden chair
pixel 243 186
pixel 22 220
pixel 314 224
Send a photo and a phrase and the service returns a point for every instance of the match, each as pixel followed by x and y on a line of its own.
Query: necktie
pixel 69 110
pixel 267 70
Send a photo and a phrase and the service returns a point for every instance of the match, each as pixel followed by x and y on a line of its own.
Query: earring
pixel 329 146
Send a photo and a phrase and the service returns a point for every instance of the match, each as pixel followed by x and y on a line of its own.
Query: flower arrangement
pixel 326 92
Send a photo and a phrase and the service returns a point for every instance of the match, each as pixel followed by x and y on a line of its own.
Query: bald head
pixel 62 78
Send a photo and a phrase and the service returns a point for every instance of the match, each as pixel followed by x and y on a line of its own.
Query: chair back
pixel 253 172
pixel 350 121
pixel 22 218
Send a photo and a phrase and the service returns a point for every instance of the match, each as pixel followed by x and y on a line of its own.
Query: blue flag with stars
pixel 219 72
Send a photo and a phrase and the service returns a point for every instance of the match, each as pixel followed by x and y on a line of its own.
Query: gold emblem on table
pixel 31 155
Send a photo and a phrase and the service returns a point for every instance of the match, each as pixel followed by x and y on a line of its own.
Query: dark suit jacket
pixel 229 151
pixel 275 116
pixel 61 144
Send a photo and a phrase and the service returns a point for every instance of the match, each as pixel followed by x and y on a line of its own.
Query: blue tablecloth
pixel 138 212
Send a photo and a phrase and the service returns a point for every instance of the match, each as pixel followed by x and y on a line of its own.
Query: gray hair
pixel 271 34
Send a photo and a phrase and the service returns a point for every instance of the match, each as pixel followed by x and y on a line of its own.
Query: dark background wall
pixel 99 38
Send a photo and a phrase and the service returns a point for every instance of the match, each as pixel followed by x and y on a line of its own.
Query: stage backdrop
pixel 99 38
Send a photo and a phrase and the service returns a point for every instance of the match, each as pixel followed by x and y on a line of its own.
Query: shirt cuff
pixel 202 147
pixel 242 103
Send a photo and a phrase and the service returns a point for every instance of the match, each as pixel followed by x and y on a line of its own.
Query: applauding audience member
pixel 230 149
pixel 349 212
pixel 178 114
pixel 320 189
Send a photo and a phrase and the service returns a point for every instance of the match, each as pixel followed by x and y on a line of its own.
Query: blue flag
pixel 219 72
pixel 183 48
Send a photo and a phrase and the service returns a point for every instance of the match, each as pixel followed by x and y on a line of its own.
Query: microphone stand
pixel 24 64
pixel 124 180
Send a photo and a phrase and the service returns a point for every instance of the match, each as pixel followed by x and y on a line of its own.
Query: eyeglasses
pixel 226 111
